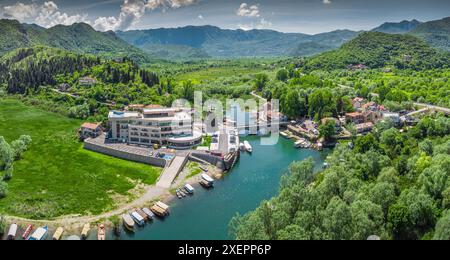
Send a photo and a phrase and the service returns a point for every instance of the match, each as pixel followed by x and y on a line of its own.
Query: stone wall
pixel 104 149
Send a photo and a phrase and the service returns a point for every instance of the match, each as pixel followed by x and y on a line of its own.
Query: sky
pixel 303 16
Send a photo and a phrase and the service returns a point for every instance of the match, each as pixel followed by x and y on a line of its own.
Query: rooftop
pixel 92 126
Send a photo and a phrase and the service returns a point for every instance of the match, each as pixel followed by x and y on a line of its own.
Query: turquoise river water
pixel 206 215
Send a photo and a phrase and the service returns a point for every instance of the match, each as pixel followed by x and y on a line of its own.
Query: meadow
pixel 56 176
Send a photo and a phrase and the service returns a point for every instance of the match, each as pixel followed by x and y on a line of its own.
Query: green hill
pixel 79 37
pixel 376 50
pixel 437 33
pixel 401 27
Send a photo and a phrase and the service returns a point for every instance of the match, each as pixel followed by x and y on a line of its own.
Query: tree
pixel 20 145
pixel 282 75
pixel 2 225
pixel 442 231
pixel 187 90
pixel 3 189
pixel 366 143
pixel 322 104
pixel 433 181
pixel 6 154
pixel 337 220
pixel 328 130
pixel 367 219
pixel 260 81
pixel 426 146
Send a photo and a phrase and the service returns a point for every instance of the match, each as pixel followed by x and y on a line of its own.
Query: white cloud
pixel 19 11
pixel 327 2
pixel 200 17
pixel 46 15
pixel 131 12
pixel 248 11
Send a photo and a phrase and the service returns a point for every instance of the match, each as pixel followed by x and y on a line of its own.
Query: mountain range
pixel 200 42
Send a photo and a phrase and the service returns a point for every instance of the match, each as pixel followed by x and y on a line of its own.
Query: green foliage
pixel 360 194
pixel 2 225
pixel 377 50
pixel 260 81
pixel 3 189
pixel 328 130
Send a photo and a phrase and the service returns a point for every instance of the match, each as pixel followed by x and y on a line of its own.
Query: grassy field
pixel 56 176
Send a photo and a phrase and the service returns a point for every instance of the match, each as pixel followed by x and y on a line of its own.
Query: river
pixel 205 216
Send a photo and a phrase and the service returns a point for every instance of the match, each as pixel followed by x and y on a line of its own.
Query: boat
pixel 179 194
pixel 207 178
pixel 162 205
pixel 204 168
pixel 39 234
pixel 159 211
pixel 183 194
pixel 27 231
pixel 138 218
pixel 58 233
pixel 128 222
pixel 242 147
pixel 149 213
pixel 248 147
pixel 205 184
pixel 85 231
pixel 285 135
pixel 101 233
pixel 74 238
pixel 142 213
pixel 12 232
pixel 189 188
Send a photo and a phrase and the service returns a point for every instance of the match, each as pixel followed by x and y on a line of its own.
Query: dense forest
pixel 393 185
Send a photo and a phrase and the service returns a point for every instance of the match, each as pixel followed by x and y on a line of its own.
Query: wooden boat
pixel 58 233
pixel 162 205
pixel 101 233
pixel 189 189
pixel 138 218
pixel 27 231
pixel 12 232
pixel 205 184
pixel 285 135
pixel 142 213
pixel 248 147
pixel 85 231
pixel 39 234
pixel 160 209
pixel 128 222
pixel 149 213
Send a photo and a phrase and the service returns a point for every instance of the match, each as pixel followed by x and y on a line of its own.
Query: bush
pixel 3 189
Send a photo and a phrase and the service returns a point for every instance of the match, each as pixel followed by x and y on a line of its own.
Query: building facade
pixel 163 126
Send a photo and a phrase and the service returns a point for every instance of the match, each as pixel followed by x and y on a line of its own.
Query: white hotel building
pixel 169 127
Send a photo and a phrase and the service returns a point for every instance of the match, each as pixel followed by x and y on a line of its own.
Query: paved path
pixel 170 173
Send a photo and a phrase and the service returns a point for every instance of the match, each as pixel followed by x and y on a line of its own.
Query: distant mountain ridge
pixel 79 37
pixel 436 33
pixel 400 27
pixel 217 42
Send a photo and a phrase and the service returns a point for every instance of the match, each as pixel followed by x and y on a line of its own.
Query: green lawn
pixel 56 175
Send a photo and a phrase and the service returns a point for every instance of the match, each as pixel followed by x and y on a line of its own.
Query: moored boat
pixel 142 213
pixel 138 219
pixel 149 213
pixel 39 234
pixel 101 233
pixel 285 135
pixel 189 188
pixel 58 233
pixel 242 147
pixel 128 222
pixel 12 232
pixel 85 231
pixel 248 147
pixel 27 231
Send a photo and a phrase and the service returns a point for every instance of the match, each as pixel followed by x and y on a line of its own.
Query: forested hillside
pixel 393 185
pixel 79 37
pixel 376 50
pixel 437 33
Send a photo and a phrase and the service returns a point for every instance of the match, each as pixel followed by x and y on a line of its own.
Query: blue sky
pixel 307 16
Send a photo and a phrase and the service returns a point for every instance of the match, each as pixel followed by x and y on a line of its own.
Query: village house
pixel 355 118
pixel 90 130
pixel 364 127
pixel 87 81
pixel 357 102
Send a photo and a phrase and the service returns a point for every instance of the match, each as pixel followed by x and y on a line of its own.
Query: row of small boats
pixel 41 233
pixel 140 216
pixel 185 191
